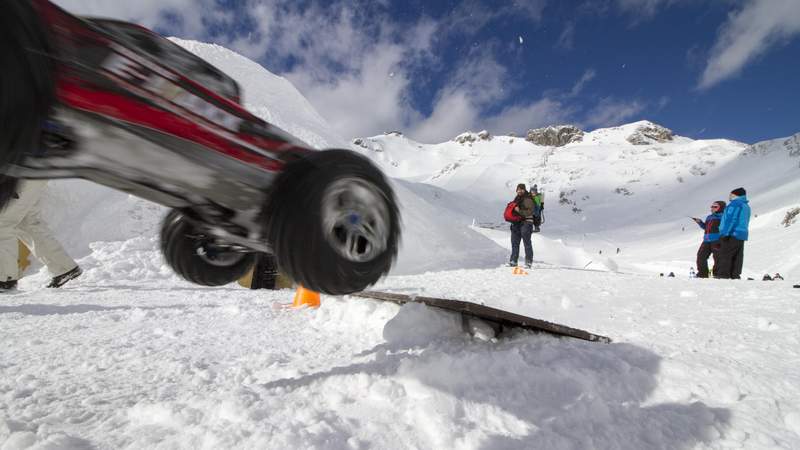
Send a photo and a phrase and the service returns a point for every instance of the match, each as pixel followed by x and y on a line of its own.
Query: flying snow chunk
pixel 520 39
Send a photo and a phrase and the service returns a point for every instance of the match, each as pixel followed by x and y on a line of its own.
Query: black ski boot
pixel 62 279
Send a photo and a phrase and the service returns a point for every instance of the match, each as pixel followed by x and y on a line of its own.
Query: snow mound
pixel 419 325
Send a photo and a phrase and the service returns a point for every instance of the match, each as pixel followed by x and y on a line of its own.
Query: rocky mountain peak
pixel 555 135
pixel 646 132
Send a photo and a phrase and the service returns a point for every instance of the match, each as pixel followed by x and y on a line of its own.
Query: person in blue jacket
pixel 710 244
pixel 733 232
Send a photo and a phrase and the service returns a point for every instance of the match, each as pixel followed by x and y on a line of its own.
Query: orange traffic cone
pixel 518 271
pixel 305 297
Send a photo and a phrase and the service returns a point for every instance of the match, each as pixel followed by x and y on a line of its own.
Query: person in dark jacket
pixel 522 230
pixel 538 206
pixel 733 231
pixel 710 244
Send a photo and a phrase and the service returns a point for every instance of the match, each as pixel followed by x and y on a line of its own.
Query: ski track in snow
pixel 164 364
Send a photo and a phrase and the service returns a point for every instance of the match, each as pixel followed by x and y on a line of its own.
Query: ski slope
pixel 130 356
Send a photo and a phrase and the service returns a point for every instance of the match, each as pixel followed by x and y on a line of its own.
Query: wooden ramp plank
pixel 499 316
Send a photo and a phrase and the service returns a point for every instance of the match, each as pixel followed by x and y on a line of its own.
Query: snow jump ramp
pixel 497 317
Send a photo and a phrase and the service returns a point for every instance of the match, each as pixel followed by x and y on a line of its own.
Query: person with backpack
pixel 538 207
pixel 733 231
pixel 710 245
pixel 520 213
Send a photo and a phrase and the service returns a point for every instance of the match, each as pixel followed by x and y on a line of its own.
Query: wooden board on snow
pixel 498 316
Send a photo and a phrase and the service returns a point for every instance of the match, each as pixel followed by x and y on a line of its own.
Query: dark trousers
pixel 730 258
pixel 707 249
pixel 521 231
pixel 265 272
pixel 537 221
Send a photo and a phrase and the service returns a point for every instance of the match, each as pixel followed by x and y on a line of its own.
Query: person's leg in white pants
pixel 22 219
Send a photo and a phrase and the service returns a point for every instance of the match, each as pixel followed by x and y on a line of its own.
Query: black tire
pixel 298 215
pixel 27 85
pixel 180 241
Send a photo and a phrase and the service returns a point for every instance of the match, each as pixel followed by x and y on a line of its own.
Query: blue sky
pixel 433 69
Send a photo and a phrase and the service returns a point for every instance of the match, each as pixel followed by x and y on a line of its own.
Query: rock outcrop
pixel 555 136
pixel 649 133
pixel 470 137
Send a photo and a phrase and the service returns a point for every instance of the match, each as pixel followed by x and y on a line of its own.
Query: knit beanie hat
pixel 739 192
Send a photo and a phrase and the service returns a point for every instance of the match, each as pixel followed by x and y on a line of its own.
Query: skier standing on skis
pixel 538 206
pixel 21 219
pixel 733 232
pixel 522 230
pixel 710 245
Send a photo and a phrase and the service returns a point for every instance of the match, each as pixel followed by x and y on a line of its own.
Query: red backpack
pixel 509 214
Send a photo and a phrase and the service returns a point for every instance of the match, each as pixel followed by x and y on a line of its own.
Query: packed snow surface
pixel 130 356
pixel 142 360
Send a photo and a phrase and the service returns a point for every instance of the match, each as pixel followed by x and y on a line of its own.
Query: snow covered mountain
pixel 631 187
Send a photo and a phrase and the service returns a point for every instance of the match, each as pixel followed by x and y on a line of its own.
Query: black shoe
pixel 62 279
pixel 7 286
pixel 536 230
pixel 528 265
pixel 671 275
pixel 512 264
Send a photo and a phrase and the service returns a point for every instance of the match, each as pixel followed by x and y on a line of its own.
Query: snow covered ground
pixel 130 356
pixel 131 361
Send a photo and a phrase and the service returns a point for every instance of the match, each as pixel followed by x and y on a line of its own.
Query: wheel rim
pixel 355 219
pixel 206 251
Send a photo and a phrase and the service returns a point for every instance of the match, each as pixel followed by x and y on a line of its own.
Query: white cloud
pixel 567 38
pixel 453 114
pixel 479 82
pixel 519 119
pixel 463 104
pixel 470 16
pixel 367 100
pixel 190 14
pixel 587 76
pixel 611 111
pixel 749 33
pixel 643 9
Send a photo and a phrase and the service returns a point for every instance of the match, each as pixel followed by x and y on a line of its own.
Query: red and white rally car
pixel 117 104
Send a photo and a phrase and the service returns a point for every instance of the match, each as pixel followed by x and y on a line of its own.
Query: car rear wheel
pixel 333 222
pixel 198 257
